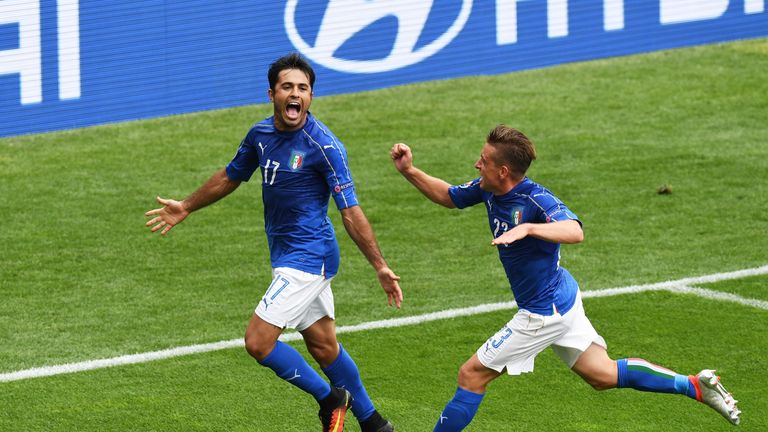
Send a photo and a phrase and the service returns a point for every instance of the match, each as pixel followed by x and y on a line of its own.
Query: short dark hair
pixel 290 61
pixel 513 148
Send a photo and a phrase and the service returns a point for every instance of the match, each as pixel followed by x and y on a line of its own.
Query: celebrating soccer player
pixel 528 224
pixel 302 165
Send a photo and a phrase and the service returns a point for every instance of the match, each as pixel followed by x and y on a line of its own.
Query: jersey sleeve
pixel 467 194
pixel 335 169
pixel 551 209
pixel 246 161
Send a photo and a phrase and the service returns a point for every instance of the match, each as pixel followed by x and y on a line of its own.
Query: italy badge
pixel 297 158
pixel 517 215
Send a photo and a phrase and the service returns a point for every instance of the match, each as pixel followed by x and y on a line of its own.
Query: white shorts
pixel 517 344
pixel 296 299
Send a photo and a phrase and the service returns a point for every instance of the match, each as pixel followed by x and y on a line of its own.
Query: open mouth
pixel 292 110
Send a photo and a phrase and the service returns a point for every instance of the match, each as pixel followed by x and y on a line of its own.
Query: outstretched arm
pixel 567 231
pixel 359 229
pixel 174 212
pixel 432 187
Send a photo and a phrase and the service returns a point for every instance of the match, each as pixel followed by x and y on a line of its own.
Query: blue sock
pixel 459 412
pixel 289 365
pixel 645 376
pixel 343 373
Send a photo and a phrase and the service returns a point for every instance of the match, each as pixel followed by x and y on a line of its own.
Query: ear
pixel 271 95
pixel 504 171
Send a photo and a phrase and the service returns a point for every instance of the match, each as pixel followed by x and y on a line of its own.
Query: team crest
pixel 517 215
pixel 297 159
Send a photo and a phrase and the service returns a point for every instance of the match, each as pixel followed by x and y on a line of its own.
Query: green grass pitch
pixel 81 278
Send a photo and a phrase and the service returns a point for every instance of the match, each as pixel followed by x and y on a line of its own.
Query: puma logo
pixel 295 375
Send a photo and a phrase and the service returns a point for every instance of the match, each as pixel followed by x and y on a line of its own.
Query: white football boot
pixel 711 392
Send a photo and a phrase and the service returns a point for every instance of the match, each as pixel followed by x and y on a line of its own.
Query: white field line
pixel 723 296
pixel 681 286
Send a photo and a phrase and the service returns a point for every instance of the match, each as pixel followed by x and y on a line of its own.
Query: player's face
pixel 291 99
pixel 490 171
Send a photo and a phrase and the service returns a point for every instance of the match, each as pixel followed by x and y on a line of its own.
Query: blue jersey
pixel 300 170
pixel 532 265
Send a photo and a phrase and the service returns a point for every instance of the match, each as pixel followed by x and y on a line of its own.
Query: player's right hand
pixel 166 217
pixel 402 157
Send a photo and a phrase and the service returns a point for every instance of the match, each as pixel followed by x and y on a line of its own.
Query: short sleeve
pixel 467 194
pixel 335 169
pixel 246 161
pixel 552 209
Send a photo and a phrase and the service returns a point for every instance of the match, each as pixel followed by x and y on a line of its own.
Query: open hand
pixel 511 236
pixel 166 217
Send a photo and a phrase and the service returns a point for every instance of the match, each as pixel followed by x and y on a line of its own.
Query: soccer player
pixel 302 165
pixel 528 224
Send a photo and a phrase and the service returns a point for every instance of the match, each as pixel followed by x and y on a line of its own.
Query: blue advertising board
pixel 73 63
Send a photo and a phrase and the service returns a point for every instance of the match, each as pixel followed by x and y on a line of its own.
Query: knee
pixel 467 379
pixel 474 376
pixel 257 348
pixel 601 381
pixel 600 385
pixel 597 369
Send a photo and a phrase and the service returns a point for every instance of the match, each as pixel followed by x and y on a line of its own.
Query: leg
pixel 602 373
pixel 459 412
pixel 292 301
pixel 341 369
pixel 475 377
pixel 584 351
pixel 596 368
pixel 645 376
pixel 321 342
pixel 513 348
pixel 261 337
pixel 261 343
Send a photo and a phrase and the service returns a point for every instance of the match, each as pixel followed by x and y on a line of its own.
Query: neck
pixel 508 186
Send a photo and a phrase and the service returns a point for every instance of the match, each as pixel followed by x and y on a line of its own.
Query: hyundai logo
pixel 343 19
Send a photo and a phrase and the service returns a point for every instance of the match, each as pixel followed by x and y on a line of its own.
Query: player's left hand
pixel 389 281
pixel 511 236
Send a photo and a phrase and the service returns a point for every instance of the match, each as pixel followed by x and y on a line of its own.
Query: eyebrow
pixel 292 83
